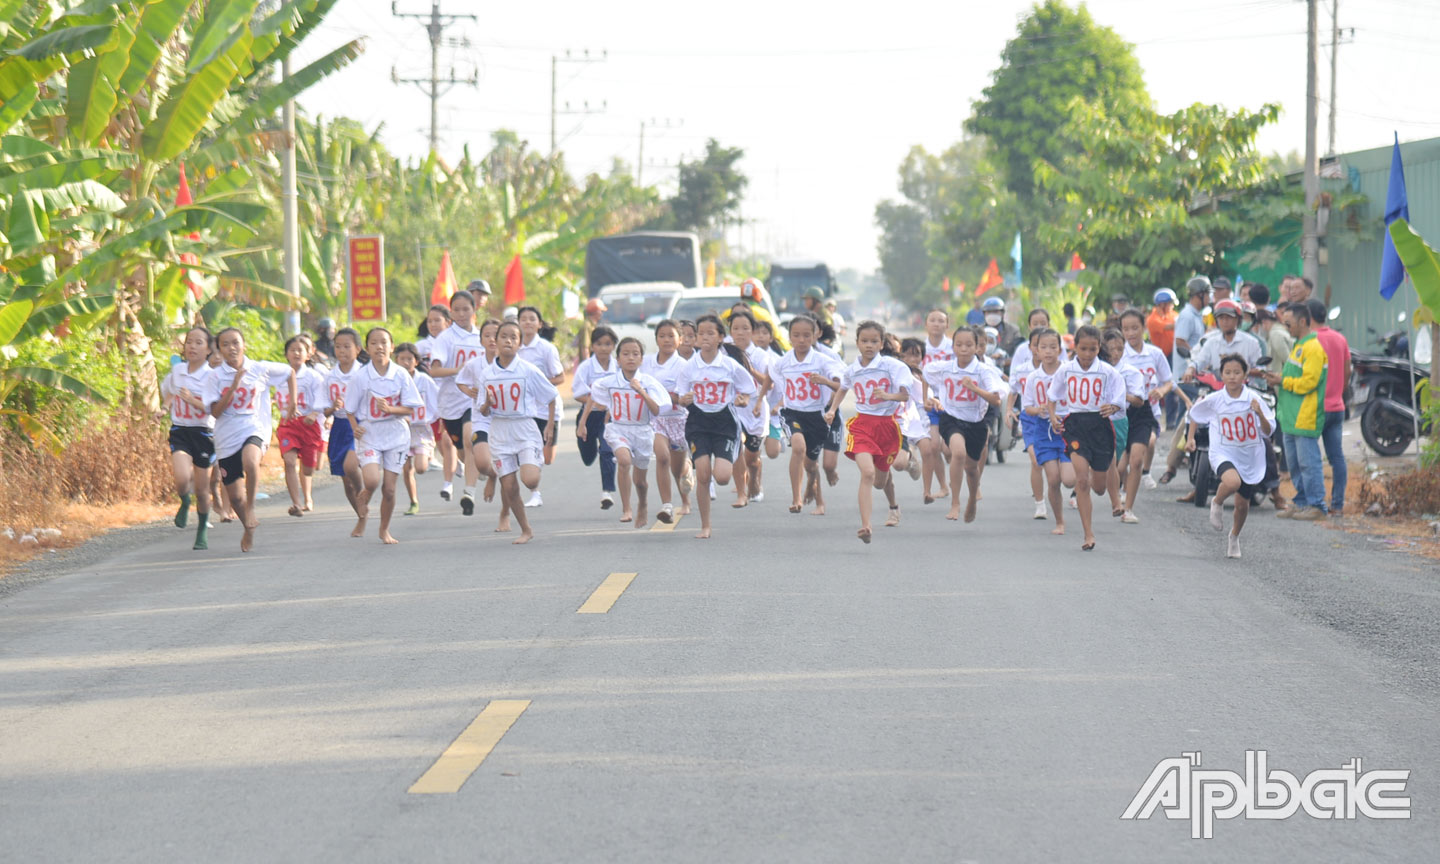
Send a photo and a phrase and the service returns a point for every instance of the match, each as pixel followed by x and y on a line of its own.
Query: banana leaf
pixel 187 108
pixel 1422 263
pixel 65 41
pixel 91 97
pixel 13 317
pixel 58 380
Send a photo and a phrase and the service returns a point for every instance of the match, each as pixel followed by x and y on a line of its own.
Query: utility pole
pixel 1310 241
pixel 1334 63
pixel 555 110
pixel 436 22
pixel 290 206
pixel 663 123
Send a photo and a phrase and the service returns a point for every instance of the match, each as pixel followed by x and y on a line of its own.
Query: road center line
pixel 667 526
pixel 466 752
pixel 606 595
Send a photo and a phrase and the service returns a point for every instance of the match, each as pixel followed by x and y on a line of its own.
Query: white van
pixel 631 309
pixel 635 308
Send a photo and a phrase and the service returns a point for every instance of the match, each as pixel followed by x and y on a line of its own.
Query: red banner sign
pixel 365 263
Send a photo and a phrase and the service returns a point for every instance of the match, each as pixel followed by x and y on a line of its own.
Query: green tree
pixel 1057 55
pixel 904 254
pixel 710 192
pixel 1151 199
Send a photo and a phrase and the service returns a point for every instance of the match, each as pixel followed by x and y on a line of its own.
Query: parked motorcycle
pixel 1384 394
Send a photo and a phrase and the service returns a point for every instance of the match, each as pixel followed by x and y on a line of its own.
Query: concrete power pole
pixel 665 123
pixel 1310 240
pixel 290 206
pixel 1334 62
pixel 555 109
pixel 435 26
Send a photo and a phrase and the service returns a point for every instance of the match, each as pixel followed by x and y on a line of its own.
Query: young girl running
pixel 1084 394
pixel 939 348
pixel 672 455
pixel 516 391
pixel 1144 424
pixel 964 387
pixel 1240 424
pixel 422 436
pixel 806 379
pixel 341 448
pixel 471 381
pixel 192 439
pixel 1020 369
pixel 543 355
pixel 592 444
pixel 299 436
pixel 914 418
pixel 872 435
pixel 1046 448
pixel 754 418
pixel 633 399
pixel 380 400
pixel 774 433
pixel 450 352
pixel 219 506
pixel 238 396
pixel 437 320
pixel 1134 398
pixel 713 380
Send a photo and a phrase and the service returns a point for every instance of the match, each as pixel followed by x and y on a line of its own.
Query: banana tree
pixel 99 104
pixel 1422 265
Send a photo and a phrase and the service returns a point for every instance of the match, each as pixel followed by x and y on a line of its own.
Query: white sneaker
pixel 1072 505
pixel 1232 549
pixel 666 514
pixel 1149 482
pixel 1217 515
pixel 712 490
pixel 446 490
pixel 606 501
pixel 436 465
pixel 1129 518
pixel 913 469
pixel 535 500
pixel 758 497
pixel 1040 510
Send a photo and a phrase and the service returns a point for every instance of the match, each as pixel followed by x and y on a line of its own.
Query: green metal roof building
pixel 1350 270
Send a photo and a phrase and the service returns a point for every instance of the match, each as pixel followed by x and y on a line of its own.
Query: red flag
pixel 1076 263
pixel 514 283
pixel 945 284
pixel 991 279
pixel 182 199
pixel 445 285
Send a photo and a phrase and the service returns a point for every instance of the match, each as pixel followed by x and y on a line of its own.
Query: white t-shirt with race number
pixel 367 393
pixel 1236 435
pixel 1076 390
pixel 882 375
pixel 182 413
pixel 248 413
pixel 791 377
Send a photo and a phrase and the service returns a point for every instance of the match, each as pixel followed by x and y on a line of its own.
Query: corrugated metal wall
pixel 1353 275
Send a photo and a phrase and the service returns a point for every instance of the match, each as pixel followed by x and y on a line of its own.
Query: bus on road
pixel 788 280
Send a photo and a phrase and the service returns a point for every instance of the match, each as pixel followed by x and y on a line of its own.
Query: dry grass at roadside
pixel 115 476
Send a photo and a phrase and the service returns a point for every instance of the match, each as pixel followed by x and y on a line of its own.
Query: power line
pixel 436 26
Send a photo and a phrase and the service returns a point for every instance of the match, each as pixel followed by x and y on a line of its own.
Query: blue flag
pixel 1015 253
pixel 1397 206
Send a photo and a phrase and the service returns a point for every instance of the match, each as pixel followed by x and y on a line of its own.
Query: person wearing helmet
pixel 814 298
pixel 1190 323
pixel 1228 341
pixel 1009 334
pixel 480 290
pixel 325 341
pixel 1160 324
pixel 595 309
pixel 753 297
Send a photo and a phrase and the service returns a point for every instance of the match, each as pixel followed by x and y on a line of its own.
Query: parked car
pixel 631 309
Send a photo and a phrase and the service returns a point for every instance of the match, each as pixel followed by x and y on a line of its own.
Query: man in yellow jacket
pixel 1300 406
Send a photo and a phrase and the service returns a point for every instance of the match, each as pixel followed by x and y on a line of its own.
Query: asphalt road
pixel 951 692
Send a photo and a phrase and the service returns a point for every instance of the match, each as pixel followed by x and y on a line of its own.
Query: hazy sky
pixel 826 104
